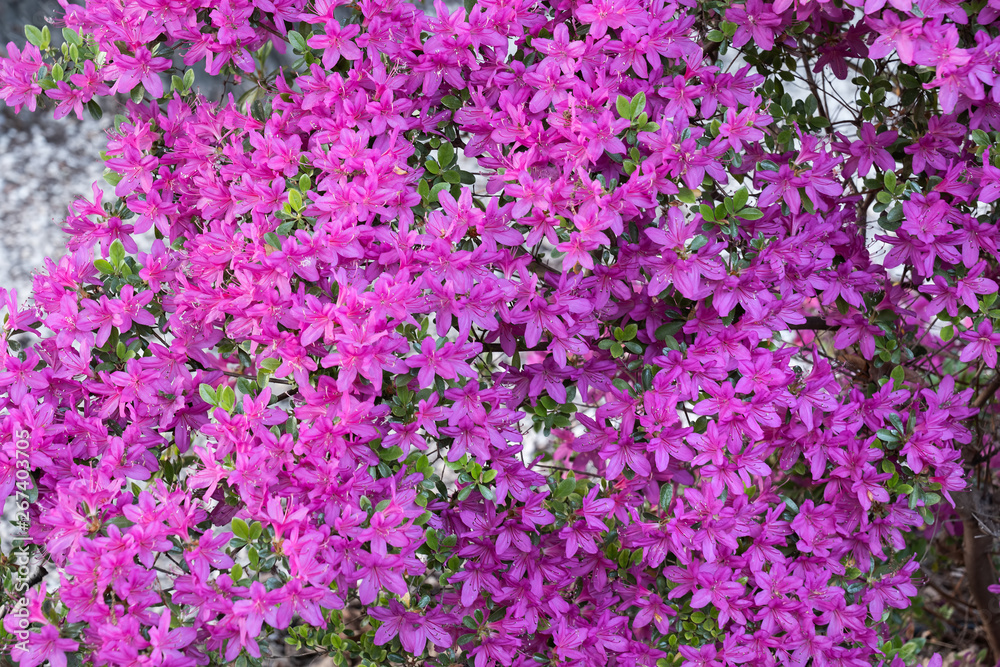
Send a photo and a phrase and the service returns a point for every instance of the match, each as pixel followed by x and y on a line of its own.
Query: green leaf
pixel 226 397
pixel 698 242
pixel 256 528
pixel 666 495
pixel 637 105
pixel 980 138
pixel 446 153
pixel 740 198
pixel 947 333
pixel 886 435
pixel 104 266
pixel 451 102
pixel 295 199
pixel 96 112
pixel 71 36
pixel 430 536
pixel 623 106
pixel 668 329
pixel 687 196
pixel 566 487
pixel 424 189
pixel 117 253
pixel 436 189
pixel 297 41
pixel 898 376
pixel 121 521
pixel 137 93
pixel 241 529
pixel 715 35
pixel 927 515
pixel 34 35
pixel 391 454
pixel 207 393
pixel 751 214
pixel 890 181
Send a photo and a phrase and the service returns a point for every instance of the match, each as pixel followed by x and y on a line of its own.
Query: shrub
pixel 601 333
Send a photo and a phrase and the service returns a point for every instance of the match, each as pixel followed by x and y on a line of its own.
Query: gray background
pixel 44 165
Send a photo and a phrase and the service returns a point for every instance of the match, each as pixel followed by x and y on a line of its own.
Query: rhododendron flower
pixel 412 629
pixel 754 20
pixel 522 330
pixel 44 646
pixel 982 344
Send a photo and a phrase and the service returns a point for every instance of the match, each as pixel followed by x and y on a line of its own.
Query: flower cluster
pixel 520 333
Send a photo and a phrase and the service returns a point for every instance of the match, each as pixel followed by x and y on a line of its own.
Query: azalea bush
pixel 520 333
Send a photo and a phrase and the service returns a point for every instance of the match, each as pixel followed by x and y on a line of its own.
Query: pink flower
pixel 754 20
pixel 982 344
pixel 870 148
pixel 44 646
pixel 447 360
pixel 412 629
pixel 142 67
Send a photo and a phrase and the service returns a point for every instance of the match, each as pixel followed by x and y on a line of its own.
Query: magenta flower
pixel 756 21
pixel 142 67
pixel 981 344
pixel 412 629
pixel 447 360
pixel 336 43
pixel 870 148
pixel 44 646
pixel 428 310
pixel 561 50
pixel 600 15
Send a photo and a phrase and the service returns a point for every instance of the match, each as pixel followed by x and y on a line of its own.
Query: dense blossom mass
pixel 531 332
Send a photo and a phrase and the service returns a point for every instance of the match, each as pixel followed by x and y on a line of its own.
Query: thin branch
pixel 987 392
